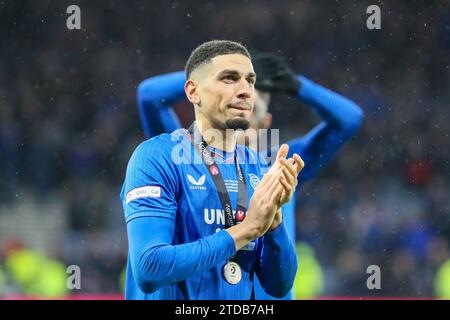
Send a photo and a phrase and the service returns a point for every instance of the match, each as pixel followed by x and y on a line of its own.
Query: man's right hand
pixel 261 211
pixel 275 188
pixel 264 204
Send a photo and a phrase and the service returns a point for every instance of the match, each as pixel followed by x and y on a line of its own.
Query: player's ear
pixel 191 90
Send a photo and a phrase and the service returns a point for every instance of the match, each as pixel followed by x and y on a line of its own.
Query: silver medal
pixel 232 272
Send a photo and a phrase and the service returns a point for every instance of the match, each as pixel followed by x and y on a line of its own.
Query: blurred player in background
pixel 340 116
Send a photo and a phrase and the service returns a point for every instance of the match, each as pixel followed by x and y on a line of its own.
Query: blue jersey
pixel 340 116
pixel 167 182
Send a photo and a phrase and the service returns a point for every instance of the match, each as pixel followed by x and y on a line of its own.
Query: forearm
pixel 278 264
pixel 157 263
pixel 167 88
pixel 341 119
pixel 332 107
pixel 155 97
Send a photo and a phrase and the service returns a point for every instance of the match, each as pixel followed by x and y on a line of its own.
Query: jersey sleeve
pixel 155 97
pixel 277 263
pixel 341 118
pixel 151 185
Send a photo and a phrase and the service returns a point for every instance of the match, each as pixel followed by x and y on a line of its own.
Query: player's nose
pixel 244 89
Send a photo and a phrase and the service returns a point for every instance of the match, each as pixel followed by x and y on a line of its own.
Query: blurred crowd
pixel 69 122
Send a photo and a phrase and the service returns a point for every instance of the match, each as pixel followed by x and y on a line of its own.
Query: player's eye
pixel 251 81
pixel 229 78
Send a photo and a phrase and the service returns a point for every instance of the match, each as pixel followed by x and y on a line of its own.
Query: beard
pixel 234 124
pixel 237 124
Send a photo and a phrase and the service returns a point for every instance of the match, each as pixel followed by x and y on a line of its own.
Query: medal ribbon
pixel 202 147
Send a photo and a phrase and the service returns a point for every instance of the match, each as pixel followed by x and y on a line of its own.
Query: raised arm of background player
pixel 155 96
pixel 341 117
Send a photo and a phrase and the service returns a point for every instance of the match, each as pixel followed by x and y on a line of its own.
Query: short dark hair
pixel 211 49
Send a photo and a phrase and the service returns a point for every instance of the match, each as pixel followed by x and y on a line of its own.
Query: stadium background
pixel 69 122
